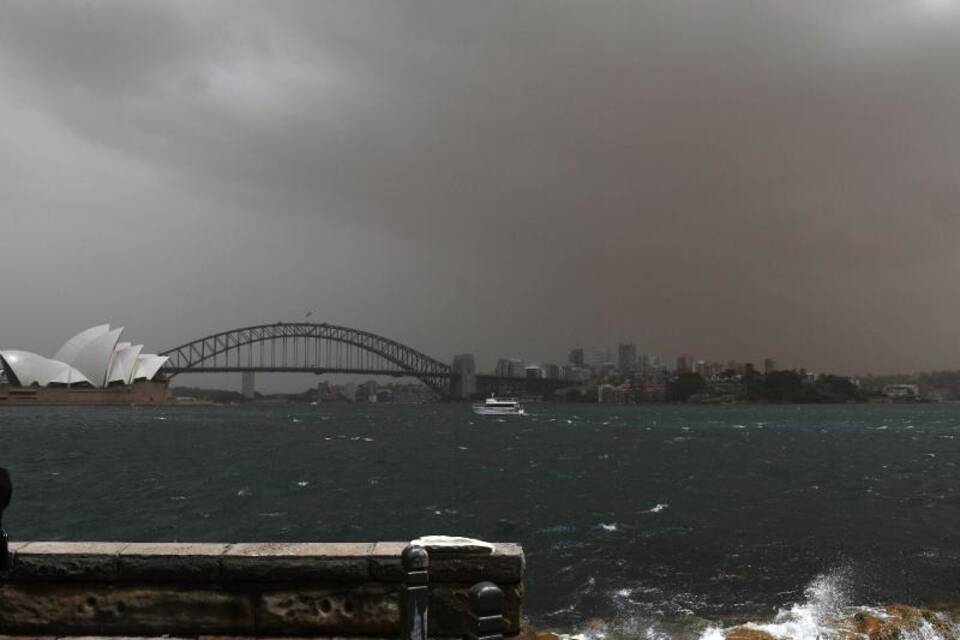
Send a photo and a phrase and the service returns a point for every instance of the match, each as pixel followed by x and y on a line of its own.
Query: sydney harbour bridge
pixel 308 347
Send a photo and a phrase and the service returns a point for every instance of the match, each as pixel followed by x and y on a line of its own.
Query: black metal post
pixel 415 593
pixel 6 491
pixel 486 608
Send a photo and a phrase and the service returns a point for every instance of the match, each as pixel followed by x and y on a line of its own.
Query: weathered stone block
pixel 70 609
pixel 365 610
pixel 297 562
pixel 505 565
pixel 66 561
pixel 450 608
pixel 183 562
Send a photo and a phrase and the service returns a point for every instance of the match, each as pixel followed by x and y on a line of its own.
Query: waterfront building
pixel 368 391
pixel 574 373
pixel 606 393
pixel 902 391
pixel 627 357
pixel 684 363
pixel 769 366
pixel 551 371
pixel 533 372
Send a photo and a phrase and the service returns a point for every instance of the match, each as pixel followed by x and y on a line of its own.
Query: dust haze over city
pixel 737 180
pixel 532 319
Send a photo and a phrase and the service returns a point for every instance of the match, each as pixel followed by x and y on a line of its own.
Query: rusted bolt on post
pixel 486 610
pixel 6 491
pixel 415 593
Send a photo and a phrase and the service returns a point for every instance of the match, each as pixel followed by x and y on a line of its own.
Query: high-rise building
pixel 700 366
pixel 510 368
pixel 769 366
pixel 627 357
pixel 576 357
pixel 684 363
pixel 602 357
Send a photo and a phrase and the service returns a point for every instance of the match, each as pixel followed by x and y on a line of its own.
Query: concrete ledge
pixel 198 562
pixel 505 564
pixel 273 589
pixel 310 561
pixel 256 562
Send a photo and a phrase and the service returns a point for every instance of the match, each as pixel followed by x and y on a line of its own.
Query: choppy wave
pixel 825 613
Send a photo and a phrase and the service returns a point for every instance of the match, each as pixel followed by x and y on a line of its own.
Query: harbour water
pixel 640 521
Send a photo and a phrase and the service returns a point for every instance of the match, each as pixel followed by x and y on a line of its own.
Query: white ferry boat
pixel 499 407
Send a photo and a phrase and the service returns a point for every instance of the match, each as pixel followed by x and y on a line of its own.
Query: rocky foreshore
pixel 893 622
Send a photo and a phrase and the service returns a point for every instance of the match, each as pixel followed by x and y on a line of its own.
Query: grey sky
pixel 730 178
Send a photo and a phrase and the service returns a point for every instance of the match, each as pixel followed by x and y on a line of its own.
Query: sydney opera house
pixel 92 367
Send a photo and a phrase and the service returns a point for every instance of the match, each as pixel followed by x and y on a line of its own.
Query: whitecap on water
pixel 657 508
pixel 608 527
pixel 302 483
pixel 244 492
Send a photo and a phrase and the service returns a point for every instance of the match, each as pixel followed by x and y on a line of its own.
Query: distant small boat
pixel 493 406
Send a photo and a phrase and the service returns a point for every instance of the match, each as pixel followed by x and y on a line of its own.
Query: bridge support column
pixel 247 385
pixel 463 383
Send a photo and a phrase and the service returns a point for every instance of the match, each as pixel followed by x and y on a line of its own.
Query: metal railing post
pixel 415 593
pixel 6 491
pixel 486 610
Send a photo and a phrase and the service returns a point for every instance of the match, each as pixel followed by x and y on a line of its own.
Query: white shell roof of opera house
pixel 94 357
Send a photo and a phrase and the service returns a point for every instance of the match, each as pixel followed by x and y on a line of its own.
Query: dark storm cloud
pixel 736 179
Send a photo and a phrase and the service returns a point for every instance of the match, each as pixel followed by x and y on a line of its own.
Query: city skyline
pixel 735 180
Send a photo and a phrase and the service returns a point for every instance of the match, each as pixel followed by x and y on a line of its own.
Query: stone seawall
pixel 276 589
pixel 140 393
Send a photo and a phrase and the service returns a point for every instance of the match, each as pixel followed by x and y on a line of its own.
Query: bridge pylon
pixel 463 379
pixel 247 385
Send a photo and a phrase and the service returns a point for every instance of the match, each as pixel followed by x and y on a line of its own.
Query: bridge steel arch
pixel 306 347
